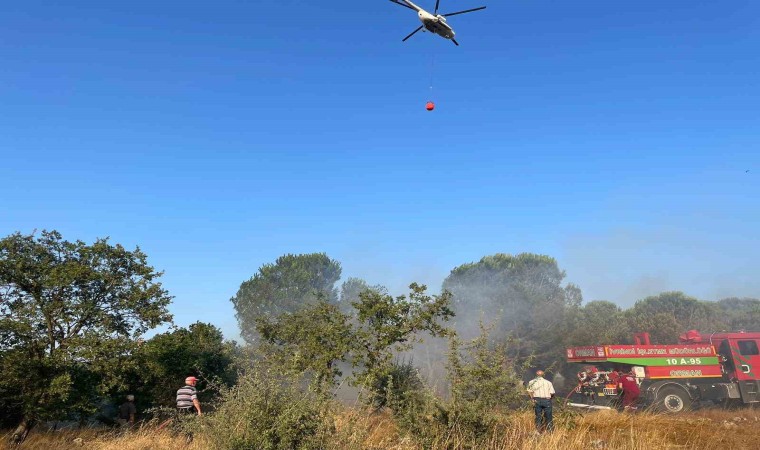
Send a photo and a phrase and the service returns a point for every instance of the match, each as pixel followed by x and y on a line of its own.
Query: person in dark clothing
pixel 127 412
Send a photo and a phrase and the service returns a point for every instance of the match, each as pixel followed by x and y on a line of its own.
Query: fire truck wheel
pixel 671 399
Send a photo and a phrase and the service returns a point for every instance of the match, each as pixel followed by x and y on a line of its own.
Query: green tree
pixel 350 290
pixel 292 282
pixel 69 313
pixel 740 314
pixel 668 315
pixel 163 362
pixel 388 325
pixel 314 339
pixel 318 337
pixel 598 322
pixel 522 296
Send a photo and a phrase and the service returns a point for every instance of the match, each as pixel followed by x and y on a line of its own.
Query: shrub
pixel 483 380
pixel 268 411
pixel 396 387
pixel 483 385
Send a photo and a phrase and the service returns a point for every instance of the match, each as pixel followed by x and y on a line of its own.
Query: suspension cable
pixel 432 73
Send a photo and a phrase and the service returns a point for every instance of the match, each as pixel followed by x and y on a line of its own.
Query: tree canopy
pixel 69 313
pixel 740 313
pixel 667 315
pixel 522 296
pixel 350 291
pixel 319 336
pixel 314 339
pixel 292 282
pixel 597 322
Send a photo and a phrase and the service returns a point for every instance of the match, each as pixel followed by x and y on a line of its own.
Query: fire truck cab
pixel 739 358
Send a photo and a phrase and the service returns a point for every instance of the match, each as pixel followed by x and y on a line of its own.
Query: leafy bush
pixel 483 385
pixel 416 410
pixel 396 387
pixel 268 411
pixel 482 381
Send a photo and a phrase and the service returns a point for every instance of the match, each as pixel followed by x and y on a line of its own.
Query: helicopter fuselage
pixel 436 24
pixel 433 23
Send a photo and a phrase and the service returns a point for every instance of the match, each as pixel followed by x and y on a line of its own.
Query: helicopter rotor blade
pixel 412 34
pixel 437 2
pixel 455 42
pixel 402 4
pixel 463 12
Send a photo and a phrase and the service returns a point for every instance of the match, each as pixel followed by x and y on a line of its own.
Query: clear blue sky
pixel 615 136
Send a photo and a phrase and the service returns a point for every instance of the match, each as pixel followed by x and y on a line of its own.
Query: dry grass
pixel 145 438
pixel 710 429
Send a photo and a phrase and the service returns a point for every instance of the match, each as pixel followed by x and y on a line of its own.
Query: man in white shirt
pixel 541 393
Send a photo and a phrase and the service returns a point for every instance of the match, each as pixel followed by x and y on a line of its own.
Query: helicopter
pixel 434 23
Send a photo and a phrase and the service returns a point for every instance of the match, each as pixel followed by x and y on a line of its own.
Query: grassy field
pixel 709 429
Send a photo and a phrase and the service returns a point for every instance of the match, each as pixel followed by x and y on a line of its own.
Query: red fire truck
pixel 723 368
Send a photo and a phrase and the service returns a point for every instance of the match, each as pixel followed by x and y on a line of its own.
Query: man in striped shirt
pixel 187 397
pixel 541 392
